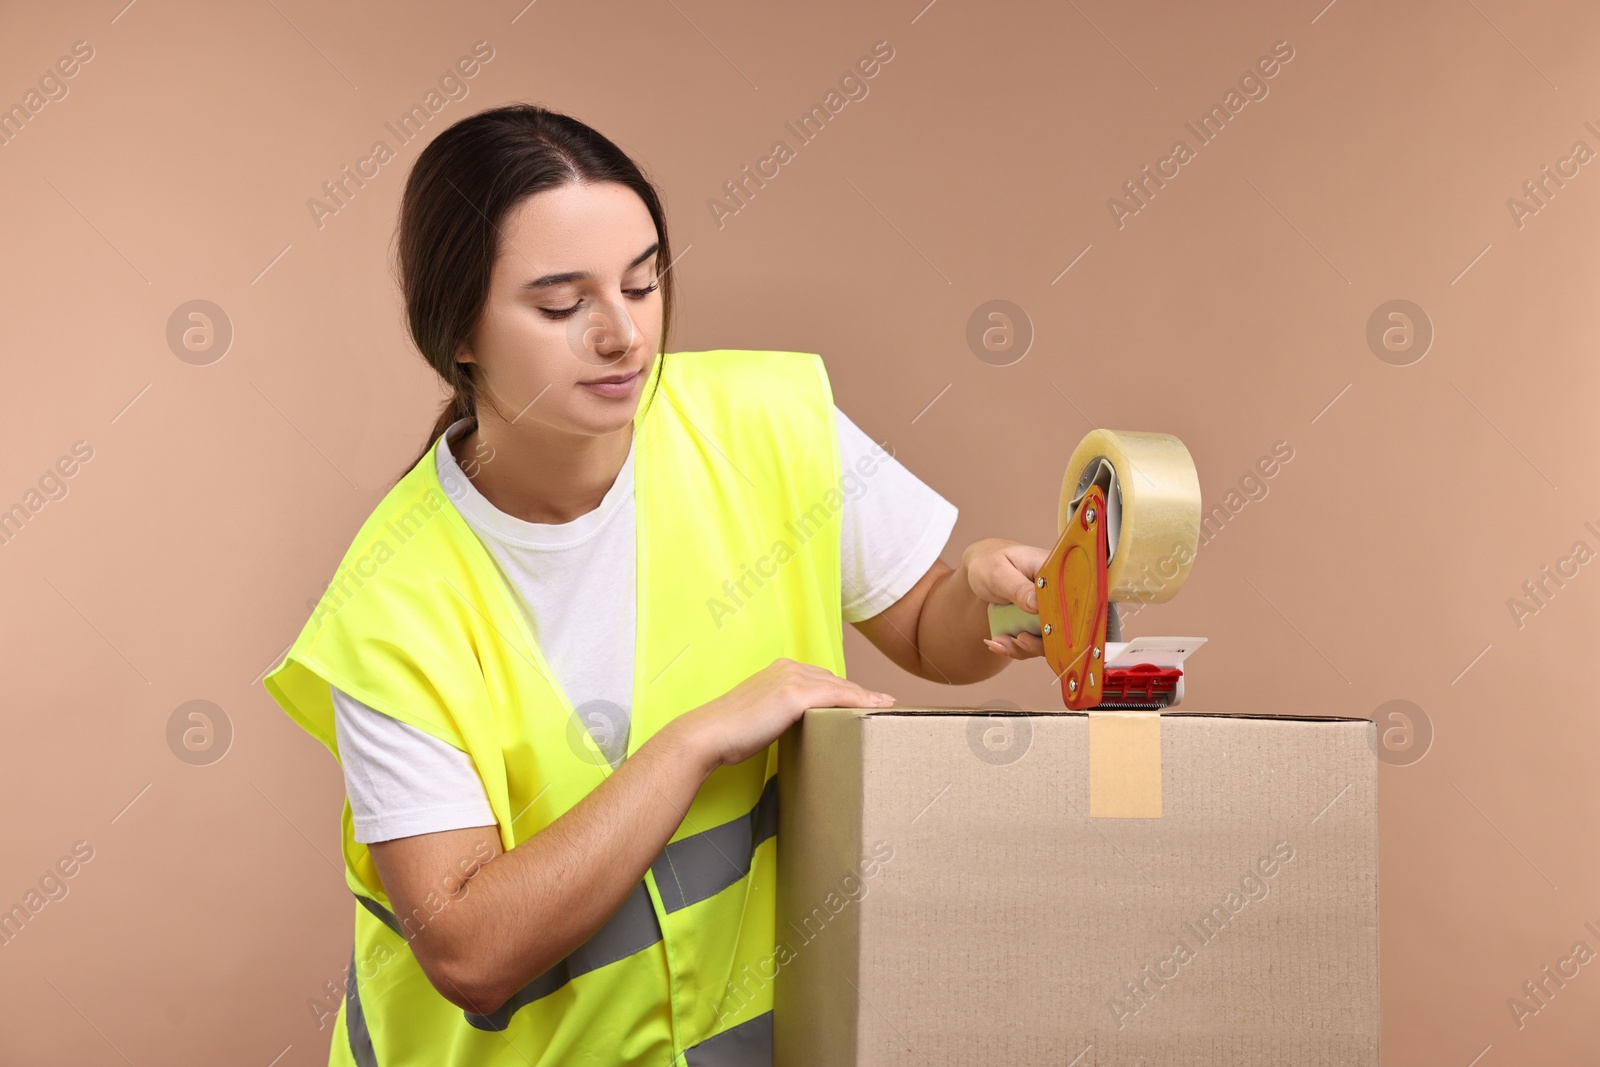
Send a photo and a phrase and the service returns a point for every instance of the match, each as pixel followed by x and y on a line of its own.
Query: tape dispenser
pixel 1129 523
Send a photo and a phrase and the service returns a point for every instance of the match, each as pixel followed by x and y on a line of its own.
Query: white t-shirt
pixel 576 581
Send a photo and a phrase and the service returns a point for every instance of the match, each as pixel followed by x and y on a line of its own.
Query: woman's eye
pixel 637 294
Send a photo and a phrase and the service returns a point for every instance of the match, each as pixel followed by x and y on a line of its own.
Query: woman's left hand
pixel 1002 572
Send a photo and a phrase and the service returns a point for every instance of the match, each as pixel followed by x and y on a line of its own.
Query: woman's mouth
pixel 613 388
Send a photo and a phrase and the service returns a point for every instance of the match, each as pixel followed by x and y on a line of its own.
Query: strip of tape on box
pixel 1125 764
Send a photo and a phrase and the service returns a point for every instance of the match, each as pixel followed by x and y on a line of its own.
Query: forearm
pixel 951 629
pixel 531 906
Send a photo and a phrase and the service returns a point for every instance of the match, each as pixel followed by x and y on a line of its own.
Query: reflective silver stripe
pixel 702 865
pixel 632 928
pixel 382 913
pixel 688 871
pixel 355 1023
pixel 747 1045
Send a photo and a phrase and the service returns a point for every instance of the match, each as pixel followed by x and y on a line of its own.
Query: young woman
pixel 557 656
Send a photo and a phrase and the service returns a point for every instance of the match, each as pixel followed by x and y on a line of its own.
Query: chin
pixel 603 416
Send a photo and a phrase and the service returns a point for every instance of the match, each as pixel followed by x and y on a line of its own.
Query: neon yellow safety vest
pixel 738 509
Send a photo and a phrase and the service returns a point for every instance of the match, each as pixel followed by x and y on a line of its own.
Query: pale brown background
pixel 1231 312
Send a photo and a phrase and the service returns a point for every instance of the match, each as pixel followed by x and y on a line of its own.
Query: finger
pixel 861 698
pixel 1004 645
pixel 870 696
pixel 842 693
pixel 822 685
pixel 1001 581
pixel 1024 646
pixel 1030 644
pixel 811 673
pixel 1022 590
pixel 1027 559
pixel 1000 647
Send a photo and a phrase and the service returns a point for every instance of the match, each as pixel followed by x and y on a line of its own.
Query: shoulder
pixel 743 369
pixel 770 414
pixel 752 401
pixel 747 391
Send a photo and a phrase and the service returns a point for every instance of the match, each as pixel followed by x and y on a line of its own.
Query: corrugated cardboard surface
pixel 946 898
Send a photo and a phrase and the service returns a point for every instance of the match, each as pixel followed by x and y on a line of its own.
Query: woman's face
pixel 573 298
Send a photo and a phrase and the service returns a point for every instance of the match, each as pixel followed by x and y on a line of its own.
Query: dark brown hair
pixel 456 199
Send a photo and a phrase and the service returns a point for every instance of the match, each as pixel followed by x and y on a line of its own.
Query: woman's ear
pixel 464 354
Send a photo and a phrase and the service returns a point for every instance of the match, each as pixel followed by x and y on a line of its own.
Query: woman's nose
pixel 609 329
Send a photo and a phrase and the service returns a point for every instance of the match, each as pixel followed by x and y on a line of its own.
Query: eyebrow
pixel 548 280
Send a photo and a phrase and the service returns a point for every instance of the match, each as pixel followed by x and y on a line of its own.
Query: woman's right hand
pixel 754 713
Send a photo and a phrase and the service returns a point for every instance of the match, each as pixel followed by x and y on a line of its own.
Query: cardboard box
pixel 1077 890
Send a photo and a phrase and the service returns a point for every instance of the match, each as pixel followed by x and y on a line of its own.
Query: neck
pixel 537 475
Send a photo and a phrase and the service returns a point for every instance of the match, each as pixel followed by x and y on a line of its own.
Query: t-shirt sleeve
pixel 894 525
pixel 400 780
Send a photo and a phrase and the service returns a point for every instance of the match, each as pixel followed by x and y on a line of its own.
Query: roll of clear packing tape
pixel 1152 497
pixel 1153 502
